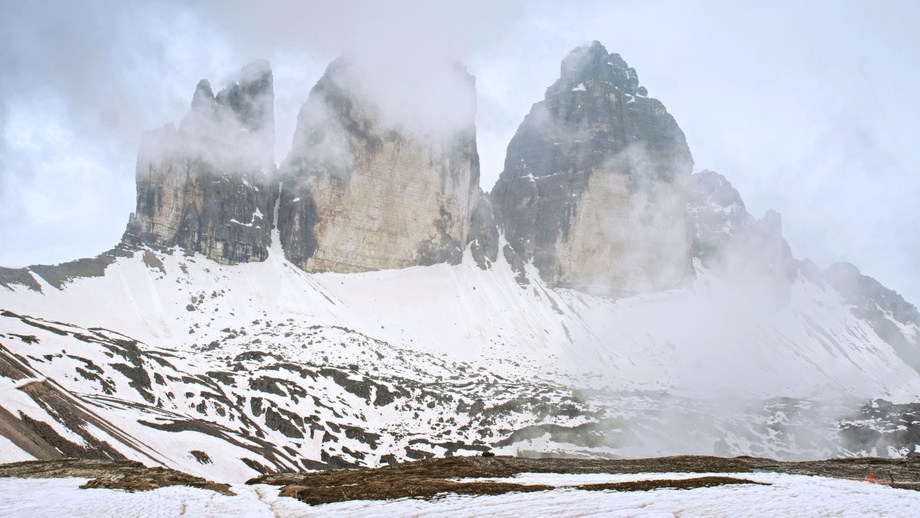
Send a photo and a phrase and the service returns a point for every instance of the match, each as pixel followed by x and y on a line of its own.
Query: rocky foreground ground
pixel 475 475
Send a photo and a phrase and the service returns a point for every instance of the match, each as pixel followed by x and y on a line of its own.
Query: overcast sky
pixel 809 108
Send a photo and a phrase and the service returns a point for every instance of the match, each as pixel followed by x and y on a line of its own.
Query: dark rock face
pixel 879 425
pixel 362 191
pixel 484 237
pixel 715 214
pixel 205 187
pixel 595 182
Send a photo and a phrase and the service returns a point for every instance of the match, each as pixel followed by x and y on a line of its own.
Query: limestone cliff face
pixel 360 191
pixel 595 183
pixel 205 186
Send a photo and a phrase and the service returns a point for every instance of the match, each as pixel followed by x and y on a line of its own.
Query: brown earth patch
pixel 120 474
pixel 425 488
pixel 686 483
pixel 433 477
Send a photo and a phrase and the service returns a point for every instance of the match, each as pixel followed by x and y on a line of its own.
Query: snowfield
pixel 787 495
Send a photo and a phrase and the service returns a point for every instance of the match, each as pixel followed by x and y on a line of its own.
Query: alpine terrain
pixel 367 301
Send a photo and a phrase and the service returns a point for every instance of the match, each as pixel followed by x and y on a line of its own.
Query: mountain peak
pixel 231 370
pixel 204 186
pixel 256 71
pixel 204 96
pixel 251 98
pixel 592 67
pixel 595 182
pixel 383 172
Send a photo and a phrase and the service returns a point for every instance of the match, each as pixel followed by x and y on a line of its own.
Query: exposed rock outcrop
pixel 727 238
pixel 59 275
pixel 595 183
pixel 715 214
pixel 205 186
pixel 363 190
pixel 725 235
pixel 483 238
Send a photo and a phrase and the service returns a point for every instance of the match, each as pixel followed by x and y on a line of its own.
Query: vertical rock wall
pixel 595 183
pixel 205 186
pixel 361 191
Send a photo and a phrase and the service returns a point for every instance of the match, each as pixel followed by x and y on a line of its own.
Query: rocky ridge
pixel 754 254
pixel 363 190
pixel 724 236
pixel 890 315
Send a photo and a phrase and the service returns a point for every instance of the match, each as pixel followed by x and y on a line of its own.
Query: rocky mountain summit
pixel 724 234
pixel 204 186
pixel 595 182
pixel 361 191
pixel 592 194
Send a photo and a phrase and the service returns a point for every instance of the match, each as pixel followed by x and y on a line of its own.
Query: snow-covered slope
pixel 774 495
pixel 707 338
pixel 224 371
